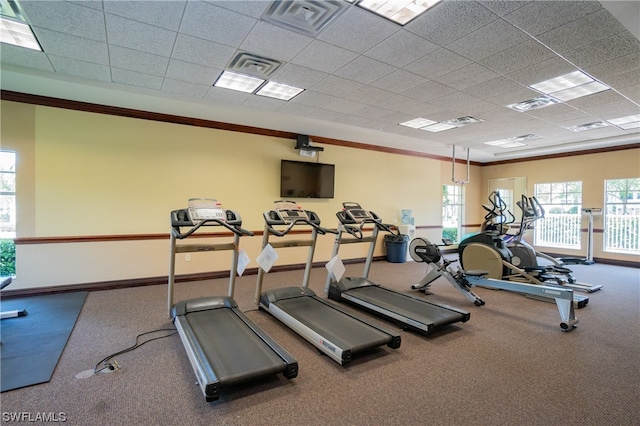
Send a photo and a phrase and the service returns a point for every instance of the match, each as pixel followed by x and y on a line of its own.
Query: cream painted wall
pixel 86 174
pixel 591 169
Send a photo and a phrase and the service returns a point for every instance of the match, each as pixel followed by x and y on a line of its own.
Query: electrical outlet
pixel 187 258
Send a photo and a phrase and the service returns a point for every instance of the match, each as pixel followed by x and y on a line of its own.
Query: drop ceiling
pixel 362 74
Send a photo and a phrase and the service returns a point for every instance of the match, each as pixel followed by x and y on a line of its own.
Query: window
pixel 7 194
pixel 7 213
pixel 452 207
pixel 561 202
pixel 622 215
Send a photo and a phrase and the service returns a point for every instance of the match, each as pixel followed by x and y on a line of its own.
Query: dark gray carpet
pixel 33 344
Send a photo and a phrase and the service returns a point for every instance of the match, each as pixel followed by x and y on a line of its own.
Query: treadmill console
pixel 354 214
pixel 287 212
pixel 204 210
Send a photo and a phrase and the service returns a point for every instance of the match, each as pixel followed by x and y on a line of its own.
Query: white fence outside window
pixel 622 233
pixel 558 230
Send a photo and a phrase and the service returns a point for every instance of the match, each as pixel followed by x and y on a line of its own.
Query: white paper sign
pixel 335 268
pixel 243 261
pixel 267 258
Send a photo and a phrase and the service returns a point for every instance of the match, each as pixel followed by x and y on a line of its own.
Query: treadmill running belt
pixel 417 310
pixel 236 353
pixel 331 323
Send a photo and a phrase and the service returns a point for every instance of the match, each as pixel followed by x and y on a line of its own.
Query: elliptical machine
pixel 487 250
pixel 422 250
pixel 525 256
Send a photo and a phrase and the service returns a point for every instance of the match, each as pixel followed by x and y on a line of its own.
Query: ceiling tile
pixel 133 78
pixel 184 88
pixel 399 81
pixel 539 17
pixel 263 102
pixel 429 90
pixel 209 22
pixel 467 76
pixel 324 57
pixel 141 62
pixel 344 106
pixel 24 57
pixel 368 94
pixel 194 73
pixel 65 17
pixel 226 96
pixel 82 69
pixel 336 86
pixel 398 103
pixel 357 30
pixel 364 70
pixel 274 42
pixel 135 35
pixel 617 67
pixel 202 52
pixel 541 71
pixel 450 20
pixel 582 32
pixel 518 57
pixel 70 46
pixel 438 63
pixel 494 87
pixel 313 99
pixel 503 7
pixel 604 50
pixel 488 40
pixel 253 8
pixel 297 109
pixel 401 48
pixel 632 92
pixel 372 112
pixel 298 76
pixel 164 14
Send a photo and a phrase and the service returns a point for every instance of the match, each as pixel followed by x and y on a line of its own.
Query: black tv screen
pixel 299 179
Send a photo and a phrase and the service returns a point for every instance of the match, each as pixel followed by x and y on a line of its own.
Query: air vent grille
pixel 254 65
pixel 307 17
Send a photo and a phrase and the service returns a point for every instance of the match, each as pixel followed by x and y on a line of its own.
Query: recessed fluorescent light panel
pixel 589 126
pixel 626 123
pixel 439 127
pixel 570 86
pixel 18 34
pixel 279 91
pixel 239 82
pixel 434 126
pixel 535 103
pixel 513 142
pixel 418 123
pixel 398 11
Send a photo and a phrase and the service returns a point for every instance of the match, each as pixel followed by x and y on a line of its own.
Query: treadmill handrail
pixel 298 221
pixel 236 229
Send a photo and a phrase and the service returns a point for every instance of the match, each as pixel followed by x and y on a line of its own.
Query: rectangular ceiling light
pixel 239 82
pixel 570 86
pixel 439 127
pixel 589 126
pixel 398 11
pixel 513 142
pixel 626 123
pixel 18 34
pixel 535 103
pixel 279 91
pixel 417 123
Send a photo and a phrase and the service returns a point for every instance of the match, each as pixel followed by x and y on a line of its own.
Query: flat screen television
pixel 300 179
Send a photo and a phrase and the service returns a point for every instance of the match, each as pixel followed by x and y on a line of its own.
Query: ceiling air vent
pixel 535 103
pixel 254 65
pixel 307 17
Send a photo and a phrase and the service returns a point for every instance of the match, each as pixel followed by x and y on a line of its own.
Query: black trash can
pixel 396 247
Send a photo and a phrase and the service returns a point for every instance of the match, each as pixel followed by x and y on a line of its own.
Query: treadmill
pixel 333 331
pixel 406 311
pixel 224 346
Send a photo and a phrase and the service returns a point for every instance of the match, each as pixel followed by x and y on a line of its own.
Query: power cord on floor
pixel 104 364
